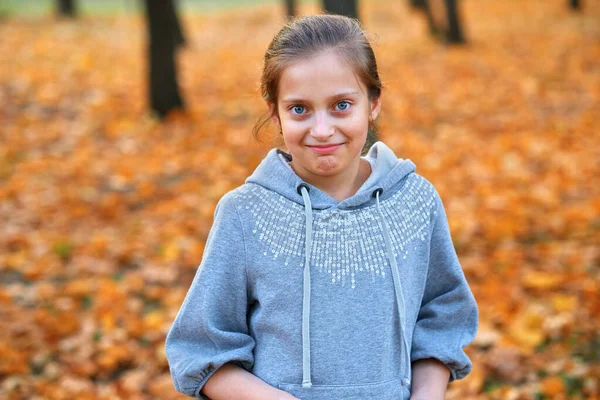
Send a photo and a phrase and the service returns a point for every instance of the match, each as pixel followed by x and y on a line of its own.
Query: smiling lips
pixel 325 149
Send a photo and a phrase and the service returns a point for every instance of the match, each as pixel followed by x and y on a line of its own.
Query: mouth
pixel 329 148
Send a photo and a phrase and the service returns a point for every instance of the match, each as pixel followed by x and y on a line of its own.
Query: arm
pixel 210 332
pixel 429 379
pixel 447 319
pixel 233 382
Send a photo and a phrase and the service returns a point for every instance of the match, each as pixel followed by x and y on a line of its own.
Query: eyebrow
pixel 337 96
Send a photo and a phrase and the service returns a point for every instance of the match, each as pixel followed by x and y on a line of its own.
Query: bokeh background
pixel 105 204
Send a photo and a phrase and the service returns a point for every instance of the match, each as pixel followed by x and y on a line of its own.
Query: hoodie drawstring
pixel 397 285
pixel 303 189
pixel 306 379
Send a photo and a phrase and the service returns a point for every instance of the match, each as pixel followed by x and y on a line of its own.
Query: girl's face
pixel 323 111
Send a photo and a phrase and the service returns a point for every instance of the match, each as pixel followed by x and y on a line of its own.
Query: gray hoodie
pixel 326 299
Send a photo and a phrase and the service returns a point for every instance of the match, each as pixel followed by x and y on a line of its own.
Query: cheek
pixel 292 128
pixel 357 117
pixel 357 126
pixel 291 135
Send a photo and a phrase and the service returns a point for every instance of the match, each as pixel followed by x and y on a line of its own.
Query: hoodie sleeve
pixel 210 328
pixel 448 317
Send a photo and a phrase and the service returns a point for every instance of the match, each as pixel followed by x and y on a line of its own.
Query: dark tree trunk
pixel 575 4
pixel 434 29
pixel 290 8
pixel 443 19
pixel 348 8
pixel 66 8
pixel 165 36
pixel 417 3
pixel 173 18
pixel 454 33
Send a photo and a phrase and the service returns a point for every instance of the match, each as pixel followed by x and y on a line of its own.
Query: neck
pixel 340 186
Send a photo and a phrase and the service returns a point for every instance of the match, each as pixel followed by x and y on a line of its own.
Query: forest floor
pixel 104 210
pixel 35 8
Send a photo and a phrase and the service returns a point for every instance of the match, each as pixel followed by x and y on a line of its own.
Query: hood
pixel 275 173
pixel 387 170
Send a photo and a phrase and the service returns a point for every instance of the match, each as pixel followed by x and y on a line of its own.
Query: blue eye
pixel 342 105
pixel 298 109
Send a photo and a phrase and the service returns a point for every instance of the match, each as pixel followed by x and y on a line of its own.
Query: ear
pixel 273 113
pixel 375 107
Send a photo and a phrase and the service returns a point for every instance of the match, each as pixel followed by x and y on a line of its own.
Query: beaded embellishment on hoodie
pixel 347 244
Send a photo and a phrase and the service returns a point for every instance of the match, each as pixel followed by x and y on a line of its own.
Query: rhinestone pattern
pixel 348 245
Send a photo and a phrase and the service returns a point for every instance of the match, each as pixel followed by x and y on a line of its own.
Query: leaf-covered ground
pixel 104 211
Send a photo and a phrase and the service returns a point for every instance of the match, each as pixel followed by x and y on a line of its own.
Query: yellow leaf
pixel 541 280
pixel 562 302
pixel 526 329
pixel 16 259
pixel 171 251
pixel 154 320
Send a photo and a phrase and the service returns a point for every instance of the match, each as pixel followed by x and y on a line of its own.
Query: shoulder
pixel 418 189
pixel 436 204
pixel 240 197
pixel 248 193
pixel 423 182
pixel 229 202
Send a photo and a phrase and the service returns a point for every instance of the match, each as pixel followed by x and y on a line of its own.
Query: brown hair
pixel 307 36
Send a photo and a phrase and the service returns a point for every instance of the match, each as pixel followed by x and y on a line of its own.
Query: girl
pixel 327 275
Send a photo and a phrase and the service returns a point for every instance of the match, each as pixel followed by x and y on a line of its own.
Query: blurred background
pixel 123 122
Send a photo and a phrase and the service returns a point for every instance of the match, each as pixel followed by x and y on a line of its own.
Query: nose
pixel 322 127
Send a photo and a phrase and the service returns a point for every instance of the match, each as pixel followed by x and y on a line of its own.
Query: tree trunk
pixel 435 25
pixel 417 3
pixel 431 22
pixel 443 19
pixel 454 33
pixel 165 36
pixel 174 22
pixel 290 8
pixel 66 8
pixel 348 8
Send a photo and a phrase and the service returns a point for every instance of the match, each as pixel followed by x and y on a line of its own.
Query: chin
pixel 327 165
pixel 320 172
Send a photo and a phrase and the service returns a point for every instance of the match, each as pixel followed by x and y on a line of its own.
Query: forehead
pixel 322 74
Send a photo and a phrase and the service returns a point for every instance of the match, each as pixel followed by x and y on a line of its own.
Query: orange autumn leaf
pixel 553 385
